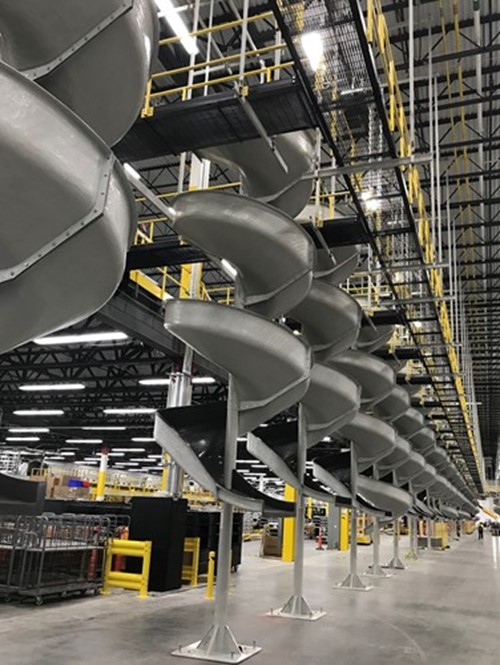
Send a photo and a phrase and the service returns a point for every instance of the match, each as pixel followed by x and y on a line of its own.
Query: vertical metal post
pixel 411 63
pixel 395 563
pixel 174 398
pixel 437 173
pixel 244 35
pixel 353 581
pixel 429 526
pixel 376 570
pixel 431 144
pixel 101 478
pixel 297 606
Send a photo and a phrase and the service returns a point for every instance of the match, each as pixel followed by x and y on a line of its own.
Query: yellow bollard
pixel 344 530
pixel 211 576
pixel 288 546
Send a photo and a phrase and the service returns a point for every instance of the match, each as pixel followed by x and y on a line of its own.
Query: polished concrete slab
pixel 444 609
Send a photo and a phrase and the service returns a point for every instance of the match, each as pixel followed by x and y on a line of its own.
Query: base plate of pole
pixel 353 583
pixel 411 556
pixel 395 564
pixel 297 608
pixel 218 646
pixel 377 571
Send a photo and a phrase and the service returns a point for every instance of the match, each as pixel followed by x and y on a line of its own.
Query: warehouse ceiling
pixel 430 253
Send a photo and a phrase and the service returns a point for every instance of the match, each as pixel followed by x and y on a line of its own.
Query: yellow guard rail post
pixel 210 576
pixel 134 581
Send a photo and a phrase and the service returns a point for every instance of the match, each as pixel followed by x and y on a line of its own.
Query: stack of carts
pixel 51 555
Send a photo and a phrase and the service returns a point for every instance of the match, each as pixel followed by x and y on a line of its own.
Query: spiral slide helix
pixel 72 79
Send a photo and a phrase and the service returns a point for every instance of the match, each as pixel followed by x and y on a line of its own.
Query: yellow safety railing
pixel 133 581
pixel 148 109
pixel 218 27
pixel 378 33
pixel 191 562
pixel 183 90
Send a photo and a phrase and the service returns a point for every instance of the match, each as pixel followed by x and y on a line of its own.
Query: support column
pixel 412 537
pixel 164 472
pixel 219 644
pixel 353 581
pixel 101 478
pixel 428 523
pixel 333 528
pixel 376 570
pixel 395 563
pixel 297 606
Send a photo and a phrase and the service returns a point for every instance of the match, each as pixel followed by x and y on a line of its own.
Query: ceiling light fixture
pixel 29 430
pixel 111 428
pixel 168 11
pixel 229 268
pixel 128 411
pixel 83 440
pixel 129 450
pixel 203 380
pixel 81 338
pixel 143 439
pixel 154 382
pixel 33 387
pixel 312 44
pixel 38 412
pixel 22 438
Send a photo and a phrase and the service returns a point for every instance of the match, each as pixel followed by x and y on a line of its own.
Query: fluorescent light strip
pixel 29 430
pixel 196 380
pixel 129 450
pixel 128 411
pixel 312 45
pixel 143 439
pixel 81 338
pixel 228 268
pixel 170 13
pixel 38 412
pixel 154 382
pixel 203 380
pixel 59 387
pixel 22 438
pixel 83 440
pixel 105 428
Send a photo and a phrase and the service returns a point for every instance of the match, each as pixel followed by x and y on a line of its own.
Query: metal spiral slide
pixel 329 372
pixel 72 79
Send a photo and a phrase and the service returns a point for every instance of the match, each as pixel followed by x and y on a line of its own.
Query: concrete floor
pixel 444 609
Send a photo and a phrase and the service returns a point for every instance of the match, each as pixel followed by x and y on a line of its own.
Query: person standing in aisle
pixel 480 532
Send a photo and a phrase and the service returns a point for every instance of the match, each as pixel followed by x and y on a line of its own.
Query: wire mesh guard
pixel 10 461
pixel 51 555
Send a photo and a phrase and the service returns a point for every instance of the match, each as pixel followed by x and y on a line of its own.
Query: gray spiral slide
pixel 72 78
pixel 72 81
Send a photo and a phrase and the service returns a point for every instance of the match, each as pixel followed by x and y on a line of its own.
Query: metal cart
pixel 52 555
